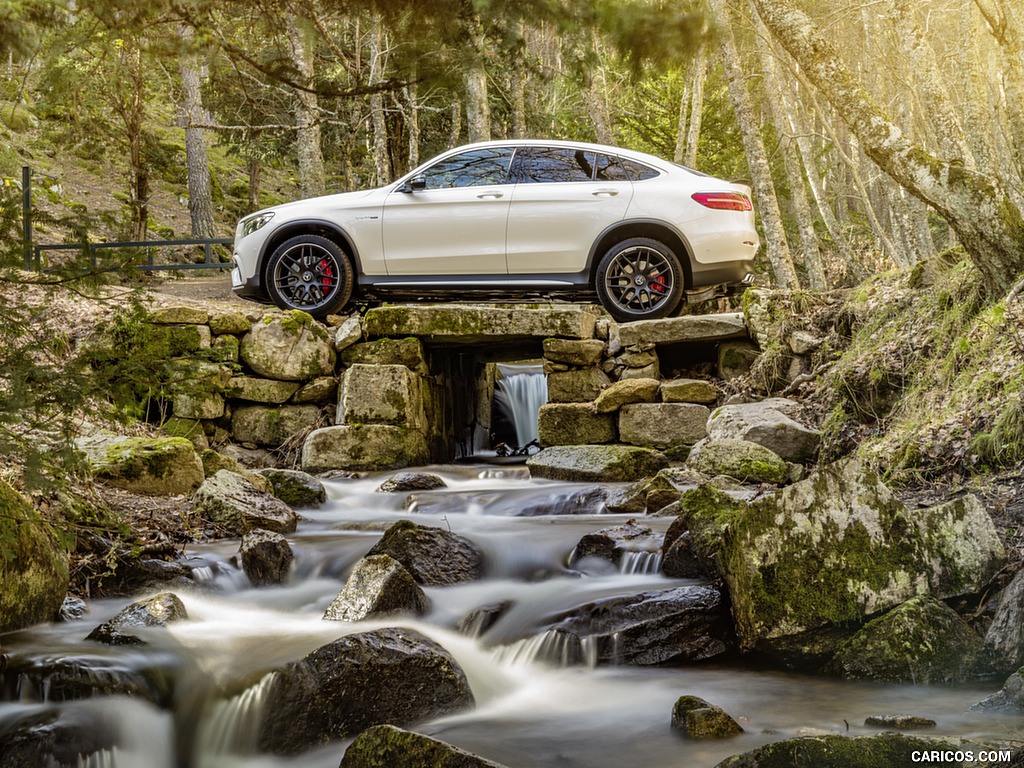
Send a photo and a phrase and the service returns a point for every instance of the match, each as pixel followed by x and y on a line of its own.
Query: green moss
pixel 831 751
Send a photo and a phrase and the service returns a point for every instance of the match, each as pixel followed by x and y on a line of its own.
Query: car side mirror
pixel 415 184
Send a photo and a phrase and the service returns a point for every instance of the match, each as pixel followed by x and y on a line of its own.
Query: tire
pixel 310 273
pixel 639 279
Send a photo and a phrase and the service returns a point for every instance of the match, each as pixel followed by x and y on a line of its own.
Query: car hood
pixel 311 205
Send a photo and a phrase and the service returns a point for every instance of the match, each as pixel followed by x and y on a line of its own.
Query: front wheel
pixel 310 273
pixel 639 279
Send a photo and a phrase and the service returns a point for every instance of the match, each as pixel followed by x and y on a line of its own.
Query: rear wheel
pixel 310 273
pixel 639 279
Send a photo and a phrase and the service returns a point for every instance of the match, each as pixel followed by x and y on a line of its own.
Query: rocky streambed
pixel 531 623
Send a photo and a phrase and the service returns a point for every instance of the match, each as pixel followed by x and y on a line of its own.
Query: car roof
pixel 620 151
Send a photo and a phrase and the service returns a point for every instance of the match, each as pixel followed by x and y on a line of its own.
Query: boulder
pixel 576 386
pixel 582 353
pixel 769 423
pixel 435 557
pixel 596 463
pixel 688 391
pixel 887 750
pixel 382 394
pixel 233 322
pixel 662 425
pixel 1004 641
pixel 369 447
pixel 263 425
pixel 690 328
pixel 740 459
pixel 839 547
pixel 394 676
pixel 290 346
pixel 266 557
pixel 378 586
pixel 33 567
pixel 671 626
pixel 152 466
pixel 1009 698
pixel 295 488
pixel 396 748
pixel 696 718
pixel 348 333
pixel 319 390
pixel 921 641
pixel 460 323
pixel 704 514
pixel 261 390
pixel 405 482
pixel 613 543
pixel 232 501
pixel 405 352
pixel 574 424
pixel 626 392
pixel 158 611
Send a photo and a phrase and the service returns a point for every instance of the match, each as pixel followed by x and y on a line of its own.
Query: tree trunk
pixel 474 76
pixel 989 226
pixel 197 163
pixel 133 114
pixel 596 97
pixel 757 158
pixel 382 164
pixel 978 117
pixel 517 84
pixel 255 179
pixel 1007 26
pixel 700 73
pixel 312 179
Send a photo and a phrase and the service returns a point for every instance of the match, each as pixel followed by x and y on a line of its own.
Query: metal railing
pixel 33 252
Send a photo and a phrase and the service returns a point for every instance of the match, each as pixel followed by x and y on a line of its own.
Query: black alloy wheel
pixel 310 273
pixel 639 279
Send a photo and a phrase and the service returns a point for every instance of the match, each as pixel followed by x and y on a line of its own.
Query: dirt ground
pixel 207 287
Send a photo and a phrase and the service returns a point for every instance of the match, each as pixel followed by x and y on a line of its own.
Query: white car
pixel 509 219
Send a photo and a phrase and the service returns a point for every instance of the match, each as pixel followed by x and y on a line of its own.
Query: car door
pixel 456 224
pixel 563 199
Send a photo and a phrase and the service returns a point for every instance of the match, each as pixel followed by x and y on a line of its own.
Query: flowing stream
pixel 533 710
pixel 520 393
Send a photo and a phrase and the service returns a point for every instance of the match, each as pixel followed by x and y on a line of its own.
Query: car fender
pixel 656 229
pixel 309 226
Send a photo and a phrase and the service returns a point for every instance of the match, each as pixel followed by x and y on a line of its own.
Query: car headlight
pixel 256 222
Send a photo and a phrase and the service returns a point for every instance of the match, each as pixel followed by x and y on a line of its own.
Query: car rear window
pixel 639 171
pixel 610 169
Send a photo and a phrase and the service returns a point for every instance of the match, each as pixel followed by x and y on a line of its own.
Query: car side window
pixel 478 167
pixel 610 169
pixel 639 171
pixel 553 164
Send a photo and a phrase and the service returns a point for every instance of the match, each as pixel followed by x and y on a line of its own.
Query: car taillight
pixel 723 201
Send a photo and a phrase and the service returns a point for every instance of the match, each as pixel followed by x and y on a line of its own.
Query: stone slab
pixel 674 330
pixel 470 324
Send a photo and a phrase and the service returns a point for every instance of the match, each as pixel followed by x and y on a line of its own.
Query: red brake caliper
pixel 328 273
pixel 658 284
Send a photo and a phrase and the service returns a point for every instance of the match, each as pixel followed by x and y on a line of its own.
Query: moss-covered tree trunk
pixel 976 205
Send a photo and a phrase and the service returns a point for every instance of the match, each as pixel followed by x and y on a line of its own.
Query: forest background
pixel 876 135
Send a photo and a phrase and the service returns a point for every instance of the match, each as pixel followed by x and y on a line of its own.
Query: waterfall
pixel 640 562
pixel 550 647
pixel 231 726
pixel 520 394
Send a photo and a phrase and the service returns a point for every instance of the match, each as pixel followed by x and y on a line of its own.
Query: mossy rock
pixel 739 459
pixel 600 463
pixel 887 750
pixel 229 322
pixel 922 641
pixel 369 447
pixel 294 488
pixel 378 586
pixel 289 346
pixel 179 315
pixel 574 424
pixel 152 466
pixel 407 352
pixel 33 564
pixel 17 117
pixel 696 718
pixel 626 392
pixel 234 502
pixel 385 746
pixel 435 557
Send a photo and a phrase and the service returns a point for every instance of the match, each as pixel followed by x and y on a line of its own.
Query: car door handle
pixel 605 192
pixel 491 195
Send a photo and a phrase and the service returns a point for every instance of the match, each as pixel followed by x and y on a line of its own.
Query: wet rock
pixel 626 392
pixel 921 641
pixel 53 737
pixel 900 722
pixel 152 466
pixel 404 482
pixel 72 609
pixel 672 626
pixel 394 676
pixel 1009 698
pixel 479 620
pixel 703 514
pixel 572 501
pixel 295 488
pixel 134 575
pixel 157 611
pixel 768 423
pixel 266 557
pixel 613 543
pixel 887 750
pixel 851 550
pixel 232 501
pixel 378 586
pixel 397 748
pixel 289 346
pixel 34 567
pixel 695 718
pixel 596 463
pixel 574 424
pixel 435 557
pixel 662 425
pixel 680 560
pixel 739 459
pixel 1004 641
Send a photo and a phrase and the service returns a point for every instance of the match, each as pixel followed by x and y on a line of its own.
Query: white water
pixel 520 393
pixel 541 701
